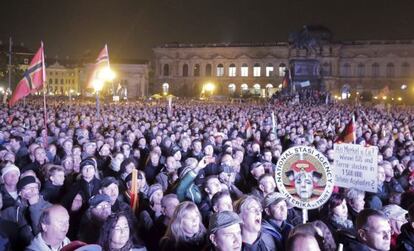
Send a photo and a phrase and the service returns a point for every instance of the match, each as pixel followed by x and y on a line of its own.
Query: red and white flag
pixel 101 62
pixel 33 78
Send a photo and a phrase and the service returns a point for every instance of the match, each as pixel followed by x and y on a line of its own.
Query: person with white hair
pixel 397 217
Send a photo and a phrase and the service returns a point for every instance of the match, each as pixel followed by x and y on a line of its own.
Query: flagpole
pixel 10 66
pixel 45 143
pixel 109 67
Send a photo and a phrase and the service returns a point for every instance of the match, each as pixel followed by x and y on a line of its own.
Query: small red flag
pixel 101 61
pixel 348 135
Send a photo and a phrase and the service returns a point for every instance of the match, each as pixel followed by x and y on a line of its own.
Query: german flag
pixel 348 135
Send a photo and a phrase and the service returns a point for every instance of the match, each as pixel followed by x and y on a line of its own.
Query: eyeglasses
pixel 255 210
pixel 102 206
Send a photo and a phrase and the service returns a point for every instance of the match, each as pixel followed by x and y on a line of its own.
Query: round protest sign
pixel 305 177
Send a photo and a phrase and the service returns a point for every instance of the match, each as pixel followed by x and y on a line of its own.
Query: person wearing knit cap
pixel 225 231
pixel 110 187
pixel 88 183
pixel 10 176
pixel 93 219
pixel 274 224
pixel 29 191
pixel 152 209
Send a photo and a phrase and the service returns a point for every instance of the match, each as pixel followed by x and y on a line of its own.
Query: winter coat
pixel 278 234
pixel 39 244
pixel 406 238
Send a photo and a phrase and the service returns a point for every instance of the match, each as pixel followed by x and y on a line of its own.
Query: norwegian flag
pixel 101 61
pixel 33 78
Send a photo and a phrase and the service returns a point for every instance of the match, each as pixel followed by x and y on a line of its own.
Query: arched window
pixel 166 70
pixel 326 69
pixel 208 70
pixel 375 69
pixel 390 70
pixel 232 88
pixel 361 70
pixel 196 70
pixel 244 87
pixel 282 68
pixel 405 69
pixel 165 88
pixel 220 70
pixel 185 70
pixel 244 70
pixel 269 70
pixel 232 70
pixel 256 88
pixel 346 70
pixel 269 86
pixel 256 70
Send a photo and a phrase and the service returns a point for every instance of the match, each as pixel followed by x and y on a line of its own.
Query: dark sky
pixel 132 27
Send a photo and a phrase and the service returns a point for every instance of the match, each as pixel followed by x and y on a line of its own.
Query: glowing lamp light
pixel 97 84
pixel 403 87
pixel 209 87
pixel 375 97
pixel 399 99
pixel 106 74
pixel 384 98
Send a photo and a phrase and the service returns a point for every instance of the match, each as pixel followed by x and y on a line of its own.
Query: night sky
pixel 132 27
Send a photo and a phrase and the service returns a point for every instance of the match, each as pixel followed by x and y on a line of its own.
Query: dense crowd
pixel 205 177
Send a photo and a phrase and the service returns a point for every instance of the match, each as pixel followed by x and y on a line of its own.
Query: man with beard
pixel 95 216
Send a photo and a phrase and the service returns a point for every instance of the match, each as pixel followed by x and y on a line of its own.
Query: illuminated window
pixel 220 70
pixel 196 70
pixel 269 70
pixel 232 70
pixel 269 86
pixel 244 70
pixel 282 69
pixel 208 70
pixel 165 87
pixel 232 88
pixel 185 70
pixel 256 70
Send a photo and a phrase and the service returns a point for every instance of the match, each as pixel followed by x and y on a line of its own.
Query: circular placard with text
pixel 305 177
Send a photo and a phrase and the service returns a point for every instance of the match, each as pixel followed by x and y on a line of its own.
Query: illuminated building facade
pixel 316 60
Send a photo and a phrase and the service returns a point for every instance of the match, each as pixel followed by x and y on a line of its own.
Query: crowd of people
pixel 205 177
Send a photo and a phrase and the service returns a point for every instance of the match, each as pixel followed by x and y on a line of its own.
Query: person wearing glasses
pixel 94 218
pixel 250 211
pixel 373 232
pixel 117 233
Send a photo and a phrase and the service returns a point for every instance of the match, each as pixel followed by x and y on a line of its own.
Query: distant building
pixel 131 81
pixel 257 68
pixel 63 80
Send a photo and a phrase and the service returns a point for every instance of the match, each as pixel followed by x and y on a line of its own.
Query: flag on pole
pixel 134 191
pixel 348 135
pixel 286 79
pixel 33 78
pixel 101 62
pixel 274 126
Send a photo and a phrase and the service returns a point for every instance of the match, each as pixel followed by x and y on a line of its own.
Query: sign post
pixel 304 176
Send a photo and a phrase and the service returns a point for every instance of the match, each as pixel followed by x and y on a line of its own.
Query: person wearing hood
pixel 406 239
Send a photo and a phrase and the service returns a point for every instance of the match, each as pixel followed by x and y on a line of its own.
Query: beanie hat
pixel 152 189
pixel 25 181
pixel 97 199
pixel 8 168
pixel 88 162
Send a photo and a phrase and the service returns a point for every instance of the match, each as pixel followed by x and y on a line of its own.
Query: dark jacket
pixel 87 188
pixel 406 239
pixel 52 193
pixel 262 243
pixel 355 245
pixel 279 234
pixel 167 244
pixel 8 200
